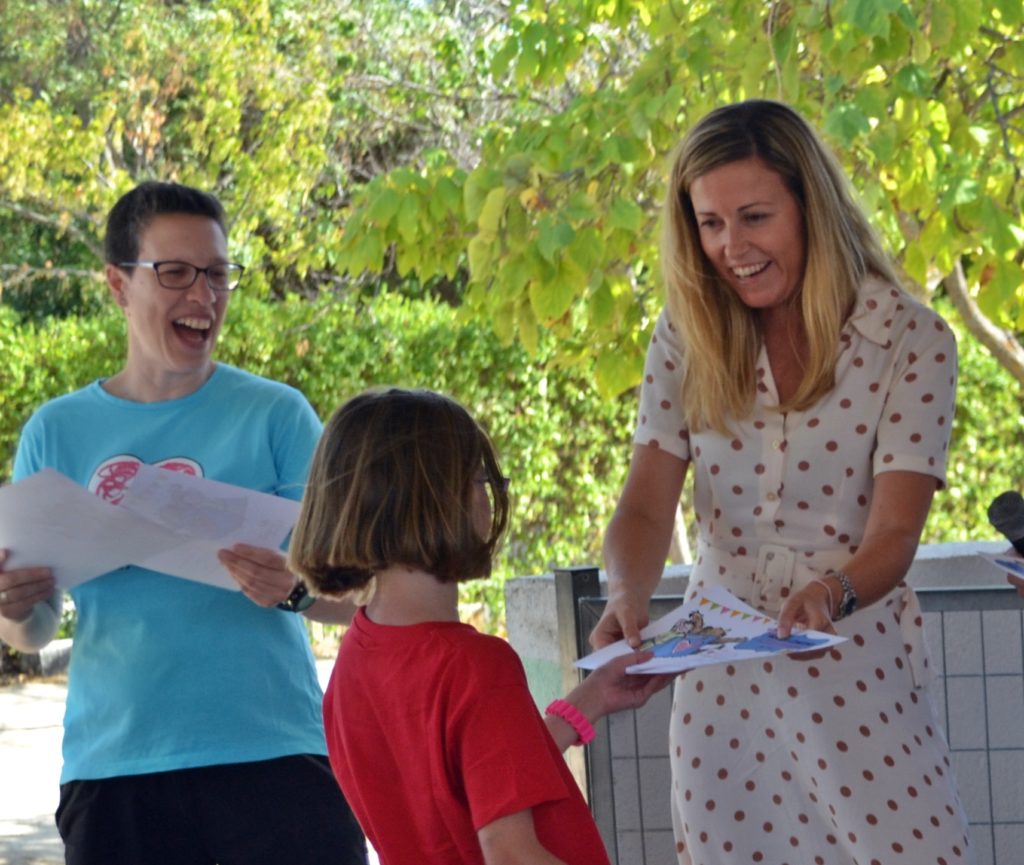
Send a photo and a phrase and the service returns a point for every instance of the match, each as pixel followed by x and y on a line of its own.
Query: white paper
pixel 713 628
pixel 1009 562
pixel 167 521
pixel 47 519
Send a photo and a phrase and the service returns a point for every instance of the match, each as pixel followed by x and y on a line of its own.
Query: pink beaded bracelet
pixel 574 718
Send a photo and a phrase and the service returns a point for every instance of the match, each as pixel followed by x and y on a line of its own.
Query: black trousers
pixel 288 811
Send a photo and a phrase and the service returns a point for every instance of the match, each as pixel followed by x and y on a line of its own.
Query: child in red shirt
pixel 431 729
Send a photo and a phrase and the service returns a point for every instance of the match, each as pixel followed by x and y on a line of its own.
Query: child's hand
pixel 610 688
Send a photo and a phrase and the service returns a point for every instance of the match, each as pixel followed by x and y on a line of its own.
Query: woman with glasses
pixel 813 400
pixel 193 728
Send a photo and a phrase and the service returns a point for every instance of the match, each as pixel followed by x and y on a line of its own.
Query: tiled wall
pixel 975 639
pixel 980 699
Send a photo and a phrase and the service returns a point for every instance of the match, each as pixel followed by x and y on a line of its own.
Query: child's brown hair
pixel 391 483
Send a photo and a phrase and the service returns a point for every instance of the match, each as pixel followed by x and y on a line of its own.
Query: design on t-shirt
pixel 113 475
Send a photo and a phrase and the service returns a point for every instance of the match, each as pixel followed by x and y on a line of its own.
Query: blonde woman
pixel 813 399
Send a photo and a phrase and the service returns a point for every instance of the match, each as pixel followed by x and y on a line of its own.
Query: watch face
pixel 304 602
pixel 300 599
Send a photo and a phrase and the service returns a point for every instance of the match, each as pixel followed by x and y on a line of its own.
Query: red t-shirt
pixel 432 734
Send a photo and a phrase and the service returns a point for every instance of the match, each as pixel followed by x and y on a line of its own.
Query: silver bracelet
pixel 831 600
pixel 848 602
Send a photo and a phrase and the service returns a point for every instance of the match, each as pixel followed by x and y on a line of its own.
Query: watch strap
pixel 300 599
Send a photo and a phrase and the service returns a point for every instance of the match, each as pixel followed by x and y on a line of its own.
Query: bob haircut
pixel 135 210
pixel 721 335
pixel 391 483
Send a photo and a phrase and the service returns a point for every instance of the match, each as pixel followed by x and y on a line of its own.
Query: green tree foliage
pixel 281 107
pixel 513 154
pixel 921 99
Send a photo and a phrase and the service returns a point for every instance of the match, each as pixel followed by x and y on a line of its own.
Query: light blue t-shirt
pixel 168 673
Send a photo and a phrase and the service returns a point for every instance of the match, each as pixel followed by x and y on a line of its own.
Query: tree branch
pixel 1005 347
pixel 51 221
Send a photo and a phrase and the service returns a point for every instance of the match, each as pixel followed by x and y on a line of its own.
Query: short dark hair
pixel 134 211
pixel 391 483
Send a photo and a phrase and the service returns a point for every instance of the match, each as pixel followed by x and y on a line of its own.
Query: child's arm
pixel 512 840
pixel 608 689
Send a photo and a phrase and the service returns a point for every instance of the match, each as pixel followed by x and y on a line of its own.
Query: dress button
pixel 771 497
pixel 777 444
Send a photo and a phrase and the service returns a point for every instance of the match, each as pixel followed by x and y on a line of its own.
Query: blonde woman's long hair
pixel 721 335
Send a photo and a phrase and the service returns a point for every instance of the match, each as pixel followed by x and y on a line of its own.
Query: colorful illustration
pixel 687 637
pixel 712 628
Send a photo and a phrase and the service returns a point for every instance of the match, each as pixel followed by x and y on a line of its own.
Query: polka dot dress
pixel 839 759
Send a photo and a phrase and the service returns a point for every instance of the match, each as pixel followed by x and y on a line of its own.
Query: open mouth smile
pixel 750 270
pixel 192 329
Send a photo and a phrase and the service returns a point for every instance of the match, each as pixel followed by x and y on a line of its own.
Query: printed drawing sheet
pixel 713 628
pixel 167 521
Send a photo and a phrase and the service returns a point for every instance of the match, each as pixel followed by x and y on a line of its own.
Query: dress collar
pixel 878 303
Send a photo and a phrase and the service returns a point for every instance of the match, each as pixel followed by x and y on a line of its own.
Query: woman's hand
pixel 625 614
pixel 811 608
pixel 22 588
pixel 261 573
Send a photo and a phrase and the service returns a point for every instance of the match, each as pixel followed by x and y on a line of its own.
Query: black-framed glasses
pixel 179 275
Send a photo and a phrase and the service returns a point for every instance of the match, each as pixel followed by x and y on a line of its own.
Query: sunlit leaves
pixel 521 153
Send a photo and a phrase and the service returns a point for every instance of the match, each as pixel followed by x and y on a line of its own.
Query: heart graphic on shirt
pixel 113 475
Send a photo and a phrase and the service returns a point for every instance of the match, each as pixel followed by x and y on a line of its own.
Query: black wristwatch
pixel 300 599
pixel 848 602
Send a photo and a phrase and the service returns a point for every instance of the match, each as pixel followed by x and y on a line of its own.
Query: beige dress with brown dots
pixel 840 759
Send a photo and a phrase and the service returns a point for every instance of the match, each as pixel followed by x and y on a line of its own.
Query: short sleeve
pixel 505 755
pixel 916 422
pixel 660 422
pixel 28 458
pixel 297 430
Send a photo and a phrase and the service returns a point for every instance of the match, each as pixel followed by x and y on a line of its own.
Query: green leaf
pixel 492 210
pixel 625 214
pixel 602 307
pixel 579 208
pixel 552 237
pixel 1000 294
pixel 481 255
pixel 617 371
pixel 383 208
pixel 846 122
pixel 551 299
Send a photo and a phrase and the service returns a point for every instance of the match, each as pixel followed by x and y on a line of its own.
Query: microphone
pixel 1006 513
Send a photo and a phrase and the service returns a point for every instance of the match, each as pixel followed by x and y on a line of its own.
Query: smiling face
pixel 751 230
pixel 171 333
